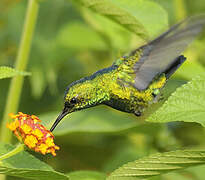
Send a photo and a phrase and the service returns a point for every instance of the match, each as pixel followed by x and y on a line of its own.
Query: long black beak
pixel 61 116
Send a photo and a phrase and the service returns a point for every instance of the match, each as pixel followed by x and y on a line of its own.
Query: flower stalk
pixel 19 148
pixel 15 88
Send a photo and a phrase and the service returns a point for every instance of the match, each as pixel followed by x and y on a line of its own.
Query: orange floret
pixel 34 135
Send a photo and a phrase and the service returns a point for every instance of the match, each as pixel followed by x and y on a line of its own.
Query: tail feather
pixel 174 66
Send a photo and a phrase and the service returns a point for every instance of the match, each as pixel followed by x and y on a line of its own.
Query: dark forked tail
pixel 174 66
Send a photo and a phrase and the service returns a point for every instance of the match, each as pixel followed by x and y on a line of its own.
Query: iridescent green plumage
pixel 134 82
pixel 111 86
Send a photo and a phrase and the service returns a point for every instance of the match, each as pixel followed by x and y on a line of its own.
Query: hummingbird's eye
pixel 73 101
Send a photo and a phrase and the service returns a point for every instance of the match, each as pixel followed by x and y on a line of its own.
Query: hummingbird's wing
pixel 161 53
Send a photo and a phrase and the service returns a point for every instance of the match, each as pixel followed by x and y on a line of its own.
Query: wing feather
pixel 162 52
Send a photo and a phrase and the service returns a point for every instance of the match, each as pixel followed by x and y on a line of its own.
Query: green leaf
pixel 134 16
pixel 158 164
pixel 114 34
pixel 186 104
pixel 77 35
pixel 197 172
pixel 94 120
pixel 27 166
pixel 190 70
pixel 86 175
pixel 178 176
pixel 7 72
pixel 127 151
pixel 192 173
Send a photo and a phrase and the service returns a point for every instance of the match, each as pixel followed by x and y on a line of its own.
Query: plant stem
pixel 15 89
pixel 16 150
pixel 180 9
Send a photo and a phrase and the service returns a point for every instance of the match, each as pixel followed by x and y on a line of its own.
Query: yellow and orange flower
pixel 34 135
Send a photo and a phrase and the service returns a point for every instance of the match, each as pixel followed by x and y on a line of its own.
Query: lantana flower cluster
pixel 34 135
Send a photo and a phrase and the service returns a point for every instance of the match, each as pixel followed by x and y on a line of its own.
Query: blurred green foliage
pixel 71 42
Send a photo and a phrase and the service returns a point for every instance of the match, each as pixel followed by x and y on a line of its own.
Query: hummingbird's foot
pixel 138 113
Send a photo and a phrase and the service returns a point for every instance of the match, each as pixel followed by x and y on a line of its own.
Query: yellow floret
pixel 52 151
pixel 49 142
pixel 57 147
pixel 26 129
pixel 42 148
pixel 22 114
pixel 13 116
pixel 30 141
pixel 35 118
pixel 12 126
pixel 37 133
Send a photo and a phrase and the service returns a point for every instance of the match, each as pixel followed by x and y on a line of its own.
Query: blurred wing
pixel 160 54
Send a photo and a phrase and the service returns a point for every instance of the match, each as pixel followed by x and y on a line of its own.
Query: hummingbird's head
pixel 79 95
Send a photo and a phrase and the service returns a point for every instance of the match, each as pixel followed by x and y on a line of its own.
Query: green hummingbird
pixel 134 82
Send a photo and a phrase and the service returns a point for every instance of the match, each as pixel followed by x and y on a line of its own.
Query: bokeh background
pixel 66 47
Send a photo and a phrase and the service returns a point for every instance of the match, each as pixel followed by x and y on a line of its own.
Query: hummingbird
pixel 134 82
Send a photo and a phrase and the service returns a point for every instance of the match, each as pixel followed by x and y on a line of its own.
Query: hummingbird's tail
pixel 174 66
